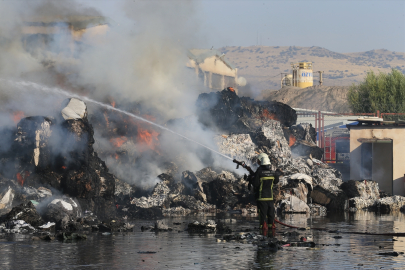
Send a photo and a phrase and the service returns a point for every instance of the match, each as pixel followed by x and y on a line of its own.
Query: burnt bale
pixel 26 212
pixel 189 202
pixel 134 212
pixel 389 204
pixel 270 140
pixel 124 192
pixel 293 204
pixel 161 226
pixel 206 175
pixel 298 184
pixel 32 142
pixel 220 109
pixel 202 227
pixel 59 154
pixel 226 191
pixel 190 182
pixel 87 177
pixel 305 148
pixel 304 132
pixel 364 189
pixel 238 146
pixel 226 111
pixel 64 211
pixel 266 110
pixel 332 200
pixel 327 177
pixel 7 198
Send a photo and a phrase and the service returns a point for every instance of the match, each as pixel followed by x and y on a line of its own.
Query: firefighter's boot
pixel 265 228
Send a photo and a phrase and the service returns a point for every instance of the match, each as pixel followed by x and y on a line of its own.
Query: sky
pixel 337 25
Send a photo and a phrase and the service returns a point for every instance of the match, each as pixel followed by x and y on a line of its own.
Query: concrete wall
pixel 381 155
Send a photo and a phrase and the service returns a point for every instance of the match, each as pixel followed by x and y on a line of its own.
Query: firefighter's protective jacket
pixel 263 182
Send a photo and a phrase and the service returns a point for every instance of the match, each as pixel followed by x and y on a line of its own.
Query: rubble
pixel 202 227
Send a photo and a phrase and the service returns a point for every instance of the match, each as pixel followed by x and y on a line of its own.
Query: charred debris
pixel 52 178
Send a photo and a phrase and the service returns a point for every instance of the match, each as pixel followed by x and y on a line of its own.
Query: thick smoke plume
pixel 134 59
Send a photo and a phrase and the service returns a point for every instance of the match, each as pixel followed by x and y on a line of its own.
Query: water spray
pixel 23 84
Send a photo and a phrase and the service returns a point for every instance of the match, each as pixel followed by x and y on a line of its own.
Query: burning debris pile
pixel 308 184
pixel 51 177
pixel 49 157
pixel 226 111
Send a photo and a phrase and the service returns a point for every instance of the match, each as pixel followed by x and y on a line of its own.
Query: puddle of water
pixel 180 250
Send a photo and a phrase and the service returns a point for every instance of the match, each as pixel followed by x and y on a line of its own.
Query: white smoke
pixel 139 58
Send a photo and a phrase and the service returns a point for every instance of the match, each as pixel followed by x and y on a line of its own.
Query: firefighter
pixel 263 182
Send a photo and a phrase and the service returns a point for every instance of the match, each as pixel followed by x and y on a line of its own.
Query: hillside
pixel 262 65
pixel 324 98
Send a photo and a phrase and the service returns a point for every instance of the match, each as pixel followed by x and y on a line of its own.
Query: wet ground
pixel 180 250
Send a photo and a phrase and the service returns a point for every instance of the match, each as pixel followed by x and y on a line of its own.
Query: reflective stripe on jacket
pixel 263 183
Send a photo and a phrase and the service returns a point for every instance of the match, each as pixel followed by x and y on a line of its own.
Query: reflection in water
pixel 264 259
pixel 179 249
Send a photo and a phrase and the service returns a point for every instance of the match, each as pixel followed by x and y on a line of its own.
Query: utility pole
pixel 320 77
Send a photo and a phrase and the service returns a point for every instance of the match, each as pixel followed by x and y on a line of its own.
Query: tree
pixel 383 92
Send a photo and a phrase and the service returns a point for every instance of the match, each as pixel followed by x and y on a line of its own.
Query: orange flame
pixel 113 103
pixel 21 179
pixel 119 141
pixel 268 115
pixel 64 167
pixel 292 140
pixel 116 156
pixel 17 116
pixel 231 89
pixel 148 138
pixel 106 120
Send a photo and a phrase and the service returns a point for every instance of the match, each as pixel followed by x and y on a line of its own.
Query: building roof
pixel 199 55
pixel 76 22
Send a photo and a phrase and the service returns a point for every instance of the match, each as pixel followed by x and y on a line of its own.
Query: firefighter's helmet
pixel 264 159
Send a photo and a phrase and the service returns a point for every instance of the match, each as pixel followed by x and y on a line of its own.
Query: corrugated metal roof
pixel 199 55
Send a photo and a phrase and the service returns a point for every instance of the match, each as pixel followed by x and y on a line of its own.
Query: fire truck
pixel 337 146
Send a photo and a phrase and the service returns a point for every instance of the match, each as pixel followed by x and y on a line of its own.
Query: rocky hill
pixel 324 98
pixel 262 65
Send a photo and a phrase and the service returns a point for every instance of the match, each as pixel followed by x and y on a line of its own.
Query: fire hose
pixel 243 164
